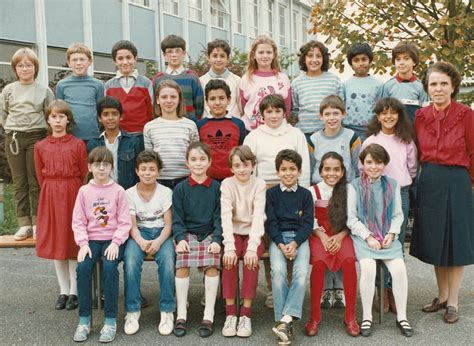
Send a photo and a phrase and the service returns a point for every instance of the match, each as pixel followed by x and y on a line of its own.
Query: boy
pixel 81 91
pixel 124 147
pixel 404 85
pixel 290 214
pixel 221 131
pixel 150 207
pixel 361 91
pixel 134 91
pixel 174 51
pixel 218 53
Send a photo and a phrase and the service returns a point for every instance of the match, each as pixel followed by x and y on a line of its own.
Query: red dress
pixel 333 262
pixel 61 165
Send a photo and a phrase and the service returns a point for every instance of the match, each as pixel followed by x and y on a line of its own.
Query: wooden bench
pixel 7 241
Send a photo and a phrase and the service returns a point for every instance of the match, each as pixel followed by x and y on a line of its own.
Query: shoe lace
pixel 106 329
pixel 244 323
pixel 228 322
pixel 338 295
pixel 82 328
pixel 327 295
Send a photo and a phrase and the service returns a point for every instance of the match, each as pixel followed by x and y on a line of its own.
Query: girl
pixel 374 218
pixel 101 223
pixel 263 77
pixel 243 216
pixel 170 133
pixel 22 114
pixel 61 166
pixel 197 233
pixel 330 246
pixel 391 129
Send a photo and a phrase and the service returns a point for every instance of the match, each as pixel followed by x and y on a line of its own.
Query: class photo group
pixel 310 175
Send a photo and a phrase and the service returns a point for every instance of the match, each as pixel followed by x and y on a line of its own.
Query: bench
pixel 7 241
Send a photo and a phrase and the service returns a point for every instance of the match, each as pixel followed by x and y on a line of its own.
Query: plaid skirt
pixel 197 256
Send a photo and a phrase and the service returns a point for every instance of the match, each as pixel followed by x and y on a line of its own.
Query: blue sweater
pixel 289 211
pixel 82 94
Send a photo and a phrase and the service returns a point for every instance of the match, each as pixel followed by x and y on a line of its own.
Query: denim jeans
pixel 133 261
pixel 289 300
pixel 110 279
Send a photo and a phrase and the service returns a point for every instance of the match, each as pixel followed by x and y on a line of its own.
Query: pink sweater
pixel 403 157
pixel 101 212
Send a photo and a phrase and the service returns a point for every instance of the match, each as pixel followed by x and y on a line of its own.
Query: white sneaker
pixel 166 323
pixel 131 323
pixel 230 326
pixel 244 329
pixel 23 233
pixel 34 231
pixel 269 300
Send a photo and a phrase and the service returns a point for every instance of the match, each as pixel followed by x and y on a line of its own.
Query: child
pixel 243 217
pixel 391 129
pixel 374 218
pixel 273 136
pixel 81 91
pixel 135 92
pixel 263 77
pixel 22 113
pixel 314 83
pixel 150 206
pixel 101 223
pixel 170 133
pixel 124 146
pixel 220 132
pixel 197 233
pixel 174 52
pixel 218 54
pixel 290 213
pixel 361 91
pixel 61 166
pixel 404 85
pixel 331 247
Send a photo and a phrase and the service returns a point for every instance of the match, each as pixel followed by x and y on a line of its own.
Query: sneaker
pixel 166 323
pixel 269 300
pixel 107 333
pixel 327 299
pixel 82 332
pixel 131 323
pixel 230 326
pixel 284 331
pixel 23 233
pixel 34 231
pixel 339 299
pixel 244 329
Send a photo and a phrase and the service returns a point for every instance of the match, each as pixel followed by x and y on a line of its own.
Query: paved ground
pixel 29 289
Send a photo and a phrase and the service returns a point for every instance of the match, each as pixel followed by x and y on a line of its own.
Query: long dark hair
pixel 337 207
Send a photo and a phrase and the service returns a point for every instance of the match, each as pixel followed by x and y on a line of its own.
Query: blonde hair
pixel 252 65
pixel 25 53
pixel 78 47
pixel 169 83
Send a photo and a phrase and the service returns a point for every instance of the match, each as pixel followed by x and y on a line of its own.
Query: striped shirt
pixel 170 139
pixel 307 94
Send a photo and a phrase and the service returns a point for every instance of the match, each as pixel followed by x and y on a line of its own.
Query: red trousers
pixel 249 276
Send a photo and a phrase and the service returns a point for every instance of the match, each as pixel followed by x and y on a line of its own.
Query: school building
pixel 50 26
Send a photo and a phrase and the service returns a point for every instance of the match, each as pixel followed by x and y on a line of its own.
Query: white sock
pixel 211 285
pixel 72 277
pixel 62 273
pixel 368 268
pixel 398 271
pixel 286 319
pixel 182 287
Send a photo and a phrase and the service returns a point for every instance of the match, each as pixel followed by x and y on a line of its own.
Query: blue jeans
pixel 110 278
pixel 289 300
pixel 133 261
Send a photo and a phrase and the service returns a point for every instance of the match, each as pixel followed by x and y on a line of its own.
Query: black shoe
pixel 72 302
pixel 61 302
pixel 180 328
pixel 405 328
pixel 144 302
pixel 206 329
pixel 366 328
pixel 284 331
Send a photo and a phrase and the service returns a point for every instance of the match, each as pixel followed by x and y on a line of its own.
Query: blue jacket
pixel 129 148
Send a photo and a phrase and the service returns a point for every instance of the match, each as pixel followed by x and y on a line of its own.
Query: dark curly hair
pixel 304 50
pixel 446 68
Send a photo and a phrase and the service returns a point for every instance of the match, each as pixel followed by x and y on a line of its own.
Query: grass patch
pixel 8 225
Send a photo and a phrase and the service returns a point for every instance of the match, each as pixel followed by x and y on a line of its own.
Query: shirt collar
pixel 206 183
pixel 105 138
pixel 134 74
pixel 412 79
pixel 176 72
pixel 284 188
pixel 224 74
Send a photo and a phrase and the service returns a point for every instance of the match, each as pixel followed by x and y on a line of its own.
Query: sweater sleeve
pixel 147 138
pixel 295 105
pixel 79 221
pixel 302 149
pixel 469 133
pixel 217 221
pixel 355 151
pixel 226 216
pixel 47 100
pixel 397 214
pixel 59 91
pixel 412 162
pixel 355 225
pixel 272 224
pixel 3 107
pixel 198 98
pixel 307 221
pixel 100 92
pixel 179 227
pixel 257 230
pixel 124 220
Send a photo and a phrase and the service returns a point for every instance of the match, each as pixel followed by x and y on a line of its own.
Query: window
pixel 238 16
pixel 282 19
pixel 304 24
pixel 295 30
pixel 195 10
pixel 269 16
pixel 218 13
pixel 144 3
pixel 171 7
pixel 253 18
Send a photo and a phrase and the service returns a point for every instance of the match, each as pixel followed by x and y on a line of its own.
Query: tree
pixel 443 29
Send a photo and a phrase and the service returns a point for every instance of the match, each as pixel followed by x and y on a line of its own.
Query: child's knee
pixel 182 272
pixel 211 271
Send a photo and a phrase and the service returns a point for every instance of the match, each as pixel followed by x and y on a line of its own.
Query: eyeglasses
pixel 101 165
pixel 26 66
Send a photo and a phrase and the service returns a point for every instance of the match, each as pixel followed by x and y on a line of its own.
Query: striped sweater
pixel 192 91
pixel 170 139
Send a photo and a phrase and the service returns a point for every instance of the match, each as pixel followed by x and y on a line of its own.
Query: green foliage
pixel 9 224
pixel 442 29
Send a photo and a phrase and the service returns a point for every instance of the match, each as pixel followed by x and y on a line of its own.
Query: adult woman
pixel 443 234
